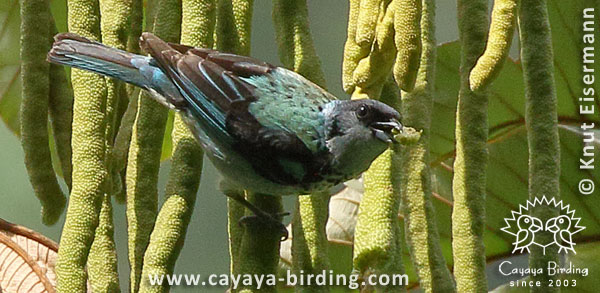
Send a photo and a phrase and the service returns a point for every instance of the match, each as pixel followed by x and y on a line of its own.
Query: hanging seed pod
pixel 167 238
pixel 353 53
pixel 366 22
pixel 372 71
pixel 89 166
pixel 542 129
pixel 145 149
pixel 377 238
pixel 35 23
pixel 102 261
pixel 488 66
pixel 468 183
pixel 419 215
pixel 296 49
pixel 407 24
pixel 60 110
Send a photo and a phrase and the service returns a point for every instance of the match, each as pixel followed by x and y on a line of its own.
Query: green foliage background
pixel 205 251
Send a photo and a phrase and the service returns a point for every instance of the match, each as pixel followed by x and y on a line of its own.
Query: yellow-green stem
pixel 309 238
pixel 419 216
pixel 89 166
pixel 102 261
pixel 60 109
pixel 166 241
pixel 296 49
pixel 542 128
pixel 35 79
pixel 488 66
pixel 259 248
pixel 145 150
pixel 377 239
pixel 233 30
pixel 407 26
pixel 372 71
pixel 468 185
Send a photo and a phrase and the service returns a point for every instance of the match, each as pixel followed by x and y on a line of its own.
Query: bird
pixel 265 128
pixel 528 226
pixel 560 226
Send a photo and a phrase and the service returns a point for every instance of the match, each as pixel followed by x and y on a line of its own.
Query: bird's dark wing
pixel 219 88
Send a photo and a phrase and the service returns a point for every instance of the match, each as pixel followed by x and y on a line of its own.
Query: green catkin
pixel 309 237
pixel 166 241
pixel 259 248
pixel 377 239
pixel 89 168
pixel 145 150
pixel 353 53
pixel 102 261
pixel 502 27
pixel 542 127
pixel 121 146
pixel 468 185
pixel 60 109
pixel 235 212
pixel 296 51
pixel 114 25
pixel 419 215
pixel 368 13
pixel 34 108
pixel 232 34
pixel 133 38
pixel 234 20
pixel 407 26
pixel 372 71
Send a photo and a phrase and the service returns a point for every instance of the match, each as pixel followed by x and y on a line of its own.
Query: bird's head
pixel 359 130
pixel 532 224
pixel 558 223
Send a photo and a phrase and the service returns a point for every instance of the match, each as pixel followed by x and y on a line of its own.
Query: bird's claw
pixel 272 221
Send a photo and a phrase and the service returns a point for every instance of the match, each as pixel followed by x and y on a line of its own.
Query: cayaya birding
pixel 265 128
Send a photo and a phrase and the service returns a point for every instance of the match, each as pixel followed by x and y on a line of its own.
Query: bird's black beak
pixel 385 131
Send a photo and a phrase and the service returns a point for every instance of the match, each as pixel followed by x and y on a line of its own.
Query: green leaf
pixel 10 82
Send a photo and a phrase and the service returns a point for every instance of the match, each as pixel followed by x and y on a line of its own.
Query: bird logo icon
pixel 524 227
pixel 528 226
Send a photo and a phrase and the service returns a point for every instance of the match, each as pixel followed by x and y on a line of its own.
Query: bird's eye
pixel 526 220
pixel 363 111
pixel 561 221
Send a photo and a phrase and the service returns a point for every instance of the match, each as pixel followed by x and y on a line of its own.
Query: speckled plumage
pixel 265 128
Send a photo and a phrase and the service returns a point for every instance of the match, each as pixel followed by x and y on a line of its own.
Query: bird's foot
pixel 271 221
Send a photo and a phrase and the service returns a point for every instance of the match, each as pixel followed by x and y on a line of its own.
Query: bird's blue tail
pixel 75 51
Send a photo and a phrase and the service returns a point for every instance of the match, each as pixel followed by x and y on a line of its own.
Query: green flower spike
pixel 145 149
pixel 89 166
pixel 488 66
pixel 167 238
pixel 542 127
pixel 35 72
pixel 419 216
pixel 468 184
